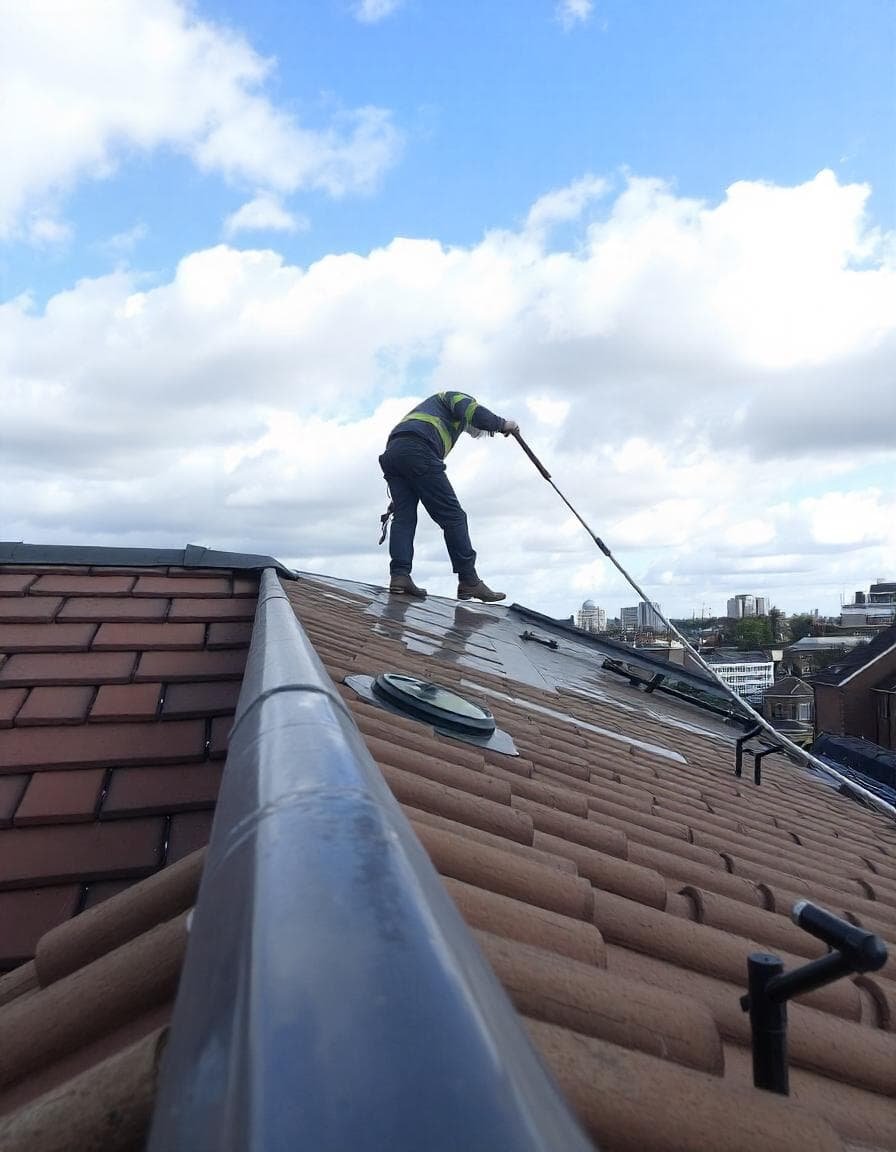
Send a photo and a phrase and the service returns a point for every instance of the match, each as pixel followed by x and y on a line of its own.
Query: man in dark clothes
pixel 414 468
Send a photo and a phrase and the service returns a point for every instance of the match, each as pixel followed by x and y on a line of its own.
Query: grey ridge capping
pixel 193 556
pixel 331 995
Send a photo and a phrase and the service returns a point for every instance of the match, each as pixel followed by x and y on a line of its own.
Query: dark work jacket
pixel 440 419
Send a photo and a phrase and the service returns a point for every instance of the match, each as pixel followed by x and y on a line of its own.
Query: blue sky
pixel 499 102
pixel 236 239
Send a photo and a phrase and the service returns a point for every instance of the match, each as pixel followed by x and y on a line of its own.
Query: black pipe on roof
pixel 331 997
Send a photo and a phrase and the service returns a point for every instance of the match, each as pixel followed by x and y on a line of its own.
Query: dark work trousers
pixel 415 473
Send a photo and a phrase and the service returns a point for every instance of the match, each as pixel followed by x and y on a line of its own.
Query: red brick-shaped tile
pixel 16 585
pixel 180 787
pixel 101 745
pixel 196 609
pixel 30 669
pixel 182 586
pixel 74 585
pixel 28 609
pixel 147 637
pixel 55 706
pixel 137 702
pixel 206 698
pixel 11 700
pixel 225 664
pixel 114 608
pixel 61 797
pixel 245 585
pixel 26 916
pixel 80 852
pixel 189 831
pixel 41 637
pixel 11 790
pixel 237 634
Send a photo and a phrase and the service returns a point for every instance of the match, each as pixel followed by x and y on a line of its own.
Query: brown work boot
pixel 478 591
pixel 401 583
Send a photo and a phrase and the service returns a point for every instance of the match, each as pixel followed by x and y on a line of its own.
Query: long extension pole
pixel 793 748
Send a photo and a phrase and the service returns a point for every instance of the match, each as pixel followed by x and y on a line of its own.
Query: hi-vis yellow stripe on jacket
pixel 441 418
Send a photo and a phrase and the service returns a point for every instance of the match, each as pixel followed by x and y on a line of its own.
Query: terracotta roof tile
pixel 201 699
pixel 631 1101
pixel 222 664
pixel 11 791
pixel 11 700
pixel 61 797
pixel 148 636
pixel 55 705
pixel 126 702
pixel 28 915
pixel 72 585
pixel 102 744
pixel 15 585
pixel 46 637
pixel 29 609
pixel 59 853
pixel 186 585
pixel 31 669
pixel 229 634
pixel 112 608
pixel 188 832
pixel 139 976
pixel 232 609
pixel 100 891
pixel 174 788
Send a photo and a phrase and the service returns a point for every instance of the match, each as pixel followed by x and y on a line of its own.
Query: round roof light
pixel 432 702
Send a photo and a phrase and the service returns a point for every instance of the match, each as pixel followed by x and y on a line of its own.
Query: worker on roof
pixel 414 468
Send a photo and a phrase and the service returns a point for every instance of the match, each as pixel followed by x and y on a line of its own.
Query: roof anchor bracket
pixel 769 987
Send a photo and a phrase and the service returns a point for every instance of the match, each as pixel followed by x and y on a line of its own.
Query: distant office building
pixel 629 619
pixel 877 609
pixel 649 619
pixel 748 673
pixel 591 618
pixel 745 605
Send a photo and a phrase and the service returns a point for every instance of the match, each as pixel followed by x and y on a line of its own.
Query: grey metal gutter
pixel 193 556
pixel 332 998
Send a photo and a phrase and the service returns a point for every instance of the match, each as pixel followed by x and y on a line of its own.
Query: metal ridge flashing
pixel 193 556
pixel 332 996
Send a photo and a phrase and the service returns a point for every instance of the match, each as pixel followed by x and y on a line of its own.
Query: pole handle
pixel 525 447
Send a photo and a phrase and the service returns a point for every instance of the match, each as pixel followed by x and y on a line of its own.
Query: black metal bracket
pixel 769 987
pixel 757 760
pixel 739 748
pixel 758 753
pixel 539 639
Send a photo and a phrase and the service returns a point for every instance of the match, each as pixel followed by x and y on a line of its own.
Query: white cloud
pixel 243 403
pixel 84 85
pixel 46 231
pixel 372 11
pixel 573 12
pixel 264 213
